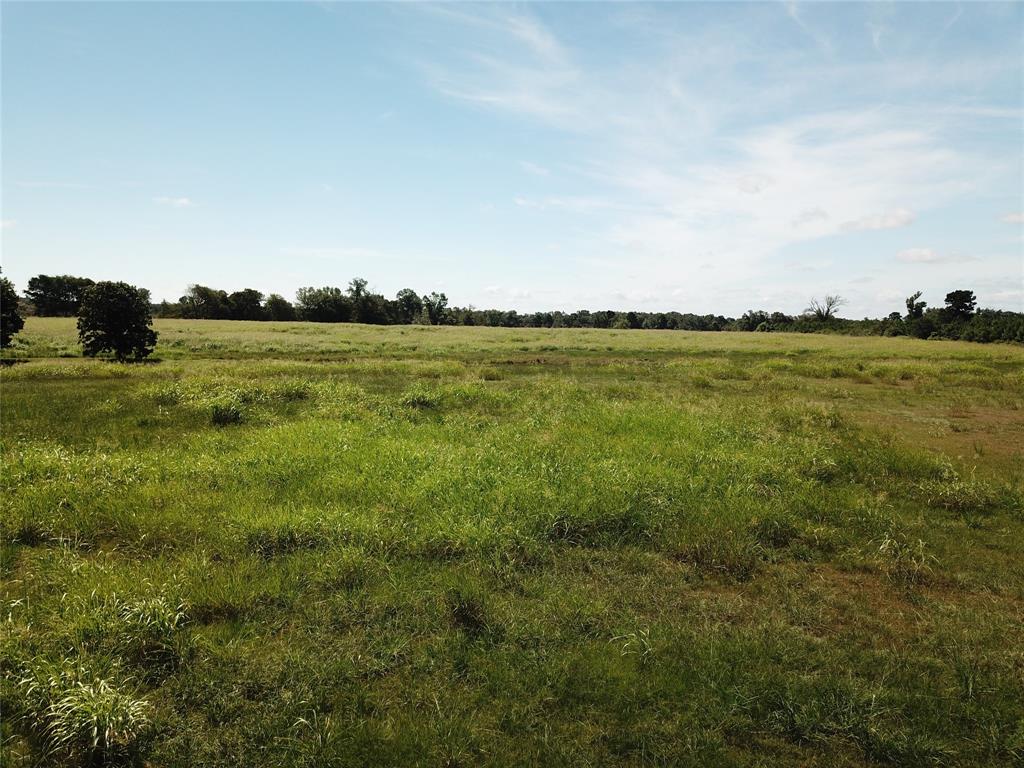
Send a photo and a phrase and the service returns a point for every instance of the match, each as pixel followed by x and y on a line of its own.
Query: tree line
pixel 958 317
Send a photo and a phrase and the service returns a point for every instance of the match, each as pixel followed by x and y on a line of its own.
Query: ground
pixel 298 544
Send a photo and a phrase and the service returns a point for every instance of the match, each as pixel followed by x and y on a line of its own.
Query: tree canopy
pixel 56 295
pixel 11 320
pixel 116 318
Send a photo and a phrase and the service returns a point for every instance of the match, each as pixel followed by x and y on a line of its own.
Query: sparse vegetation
pixel 305 544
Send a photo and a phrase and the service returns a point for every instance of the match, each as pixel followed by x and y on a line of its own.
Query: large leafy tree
pixel 408 305
pixel 279 308
pixel 56 295
pixel 435 307
pixel 11 320
pixel 961 304
pixel 202 303
pixel 324 305
pixel 246 305
pixel 116 317
pixel 915 308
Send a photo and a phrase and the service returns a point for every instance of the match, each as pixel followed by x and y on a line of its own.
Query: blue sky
pixel 699 157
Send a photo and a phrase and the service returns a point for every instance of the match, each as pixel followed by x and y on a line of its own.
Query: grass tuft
pixel 905 560
pixel 80 719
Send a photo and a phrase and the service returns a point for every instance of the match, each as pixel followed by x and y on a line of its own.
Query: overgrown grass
pixel 290 544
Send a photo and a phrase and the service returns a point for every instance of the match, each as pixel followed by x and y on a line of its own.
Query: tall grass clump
pixel 80 719
pixel 905 560
pixel 226 411
pixel 152 631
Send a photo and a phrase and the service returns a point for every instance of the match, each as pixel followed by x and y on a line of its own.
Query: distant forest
pixel 957 318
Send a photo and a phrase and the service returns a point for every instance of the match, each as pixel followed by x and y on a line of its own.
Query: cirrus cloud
pixel 175 202
pixel 900 217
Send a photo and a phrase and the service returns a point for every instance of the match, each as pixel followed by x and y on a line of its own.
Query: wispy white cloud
pixel 676 178
pixel 175 202
pixel 899 217
pixel 572 204
pixel 794 11
pixel 810 216
pixel 877 32
pixel 7 223
pixel 534 168
pixel 1014 218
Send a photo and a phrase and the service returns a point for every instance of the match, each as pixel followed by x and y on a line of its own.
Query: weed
pixel 636 643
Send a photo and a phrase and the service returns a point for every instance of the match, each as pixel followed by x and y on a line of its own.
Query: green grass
pixel 298 544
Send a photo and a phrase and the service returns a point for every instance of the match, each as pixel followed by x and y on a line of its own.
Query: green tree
pixel 367 307
pixel 246 305
pixel 167 309
pixel 751 319
pixel 961 304
pixel 323 305
pixel 202 303
pixel 56 295
pixel 511 319
pixel 915 308
pixel 116 317
pixel 357 288
pixel 279 308
pixel 11 320
pixel 408 305
pixel 825 310
pixel 435 306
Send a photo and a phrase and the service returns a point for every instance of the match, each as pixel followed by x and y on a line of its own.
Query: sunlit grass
pixel 295 544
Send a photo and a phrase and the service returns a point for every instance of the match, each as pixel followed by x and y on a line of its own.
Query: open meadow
pixel 292 544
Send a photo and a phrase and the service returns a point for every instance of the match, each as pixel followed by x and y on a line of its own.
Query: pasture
pixel 290 544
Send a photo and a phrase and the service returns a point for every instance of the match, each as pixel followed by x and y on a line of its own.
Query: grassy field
pixel 295 544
